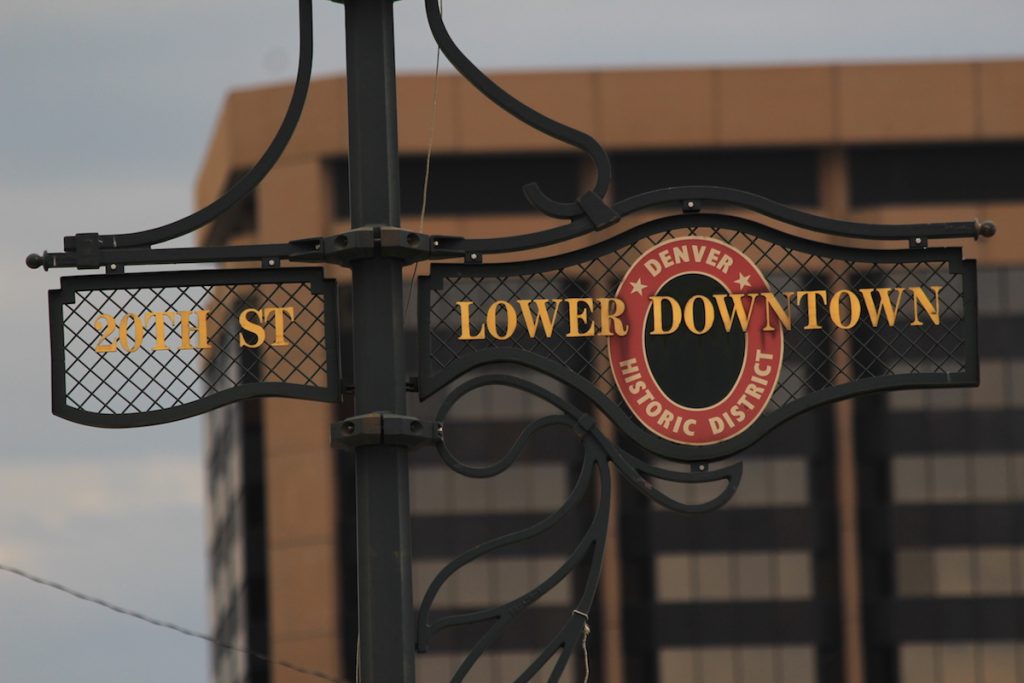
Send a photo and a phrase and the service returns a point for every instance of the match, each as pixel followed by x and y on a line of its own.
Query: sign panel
pixel 699 333
pixel 142 349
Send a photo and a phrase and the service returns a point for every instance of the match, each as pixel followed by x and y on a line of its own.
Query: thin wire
pixel 166 624
pixel 359 659
pixel 586 632
pixel 426 171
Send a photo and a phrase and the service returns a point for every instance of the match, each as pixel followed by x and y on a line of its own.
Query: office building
pixel 879 540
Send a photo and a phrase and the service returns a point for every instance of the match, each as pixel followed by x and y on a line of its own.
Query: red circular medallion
pixel 734 303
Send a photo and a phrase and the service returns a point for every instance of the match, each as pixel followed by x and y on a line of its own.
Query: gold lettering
pixel 161 318
pixel 931 309
pixel 656 312
pixel 204 329
pixel 186 330
pixel 580 312
pixel 279 313
pixel 108 322
pixel 772 306
pixel 709 313
pixel 835 309
pixel 465 334
pixel 885 304
pixel 545 317
pixel 251 321
pixel 743 314
pixel 137 333
pixel 510 320
pixel 812 297
pixel 612 311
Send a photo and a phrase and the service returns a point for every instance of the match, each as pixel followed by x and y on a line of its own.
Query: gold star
pixel 743 281
pixel 638 287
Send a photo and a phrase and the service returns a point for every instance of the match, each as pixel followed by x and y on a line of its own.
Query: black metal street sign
pixel 698 333
pixel 695 333
pixel 133 350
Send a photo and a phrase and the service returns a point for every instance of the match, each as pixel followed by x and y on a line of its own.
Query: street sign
pixel 699 333
pixel 140 349
pixel 695 333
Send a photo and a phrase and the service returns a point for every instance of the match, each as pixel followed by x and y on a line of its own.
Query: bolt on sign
pixel 132 350
pixel 698 333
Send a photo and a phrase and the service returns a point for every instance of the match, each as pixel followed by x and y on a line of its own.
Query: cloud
pixel 130 532
pixel 50 494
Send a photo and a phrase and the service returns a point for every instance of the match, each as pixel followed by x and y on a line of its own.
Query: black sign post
pixel 386 636
pixel 694 333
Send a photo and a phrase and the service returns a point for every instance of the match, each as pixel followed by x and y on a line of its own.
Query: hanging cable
pixel 166 624
pixel 426 171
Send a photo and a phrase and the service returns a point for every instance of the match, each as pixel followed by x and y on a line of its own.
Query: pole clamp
pixel 371 241
pixel 384 429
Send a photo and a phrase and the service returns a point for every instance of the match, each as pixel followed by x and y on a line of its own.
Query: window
pixel 464 184
pixel 1000 661
pixel 782 575
pixel 960 572
pixel 735 664
pixel 936 173
pixel 785 175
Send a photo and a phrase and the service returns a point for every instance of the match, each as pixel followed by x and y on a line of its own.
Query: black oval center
pixel 695 371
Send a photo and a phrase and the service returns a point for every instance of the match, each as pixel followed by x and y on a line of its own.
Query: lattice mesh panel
pixel 813 359
pixel 121 358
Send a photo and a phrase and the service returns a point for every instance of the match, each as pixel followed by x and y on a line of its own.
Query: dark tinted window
pixel 785 175
pixel 475 184
pixel 936 173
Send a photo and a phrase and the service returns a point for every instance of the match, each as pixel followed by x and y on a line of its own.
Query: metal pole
pixel 386 629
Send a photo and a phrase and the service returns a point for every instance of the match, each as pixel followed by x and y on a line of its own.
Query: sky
pixel 106 108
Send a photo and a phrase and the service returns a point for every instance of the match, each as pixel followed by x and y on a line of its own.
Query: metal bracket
pixel 371 241
pixel 918 242
pixel 384 429
pixel 86 246
pixel 599 213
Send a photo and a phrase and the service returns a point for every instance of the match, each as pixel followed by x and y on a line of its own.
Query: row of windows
pixel 944 479
pixel 962 662
pixel 734 576
pixel 936 173
pixel 738 664
pixel 1002 386
pixel 953 449
pixel 960 572
pixel 522 488
pixel 492 183
pixel 768 482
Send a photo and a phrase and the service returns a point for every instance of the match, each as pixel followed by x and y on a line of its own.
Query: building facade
pixel 880 539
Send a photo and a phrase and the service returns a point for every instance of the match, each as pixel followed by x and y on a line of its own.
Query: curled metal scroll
pixel 590 205
pixel 248 182
pixel 598 452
